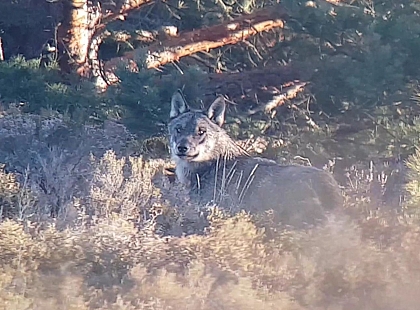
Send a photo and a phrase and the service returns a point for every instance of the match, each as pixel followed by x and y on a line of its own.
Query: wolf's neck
pixel 192 174
pixel 231 151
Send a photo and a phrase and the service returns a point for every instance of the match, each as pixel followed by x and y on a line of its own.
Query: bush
pixel 35 88
pixel 143 98
pixel 413 182
pixel 105 247
pixel 111 265
pixel 51 158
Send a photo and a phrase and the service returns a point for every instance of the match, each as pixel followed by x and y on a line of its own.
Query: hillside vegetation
pixel 90 218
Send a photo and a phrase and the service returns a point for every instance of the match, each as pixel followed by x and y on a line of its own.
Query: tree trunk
pixel 73 35
pixel 1 50
pixel 79 34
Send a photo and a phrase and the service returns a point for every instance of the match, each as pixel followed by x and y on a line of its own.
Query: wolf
pixel 217 170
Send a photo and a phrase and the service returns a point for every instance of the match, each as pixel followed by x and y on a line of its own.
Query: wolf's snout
pixel 182 149
pixel 185 151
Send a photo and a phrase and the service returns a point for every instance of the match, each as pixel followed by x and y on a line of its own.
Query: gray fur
pixel 218 170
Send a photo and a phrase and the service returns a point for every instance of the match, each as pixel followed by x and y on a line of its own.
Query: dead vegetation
pixel 125 237
pixel 201 40
pixel 104 249
pixel 111 265
pixel 88 223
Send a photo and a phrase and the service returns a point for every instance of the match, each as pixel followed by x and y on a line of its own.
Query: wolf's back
pixel 294 193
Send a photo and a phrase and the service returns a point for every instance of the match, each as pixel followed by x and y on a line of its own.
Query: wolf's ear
pixel 178 104
pixel 217 110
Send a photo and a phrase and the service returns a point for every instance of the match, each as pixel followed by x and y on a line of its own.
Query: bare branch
pixel 1 50
pixel 231 32
pixel 122 10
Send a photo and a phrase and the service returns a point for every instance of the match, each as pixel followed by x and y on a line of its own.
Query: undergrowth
pixel 89 223
pixel 111 265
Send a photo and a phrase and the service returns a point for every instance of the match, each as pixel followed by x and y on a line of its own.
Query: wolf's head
pixel 196 136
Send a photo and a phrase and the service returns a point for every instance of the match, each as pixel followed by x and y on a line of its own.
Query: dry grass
pixel 112 265
pixel 104 249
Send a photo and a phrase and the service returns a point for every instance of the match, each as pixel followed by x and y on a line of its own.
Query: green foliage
pixel 360 54
pixel 37 88
pixel 143 98
pixel 103 250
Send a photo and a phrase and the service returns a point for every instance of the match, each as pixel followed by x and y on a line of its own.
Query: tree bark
pixel 174 48
pixel 79 34
pixel 73 35
pixel 1 50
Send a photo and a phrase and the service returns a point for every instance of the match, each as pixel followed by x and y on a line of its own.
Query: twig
pixel 1 50
pixel 205 39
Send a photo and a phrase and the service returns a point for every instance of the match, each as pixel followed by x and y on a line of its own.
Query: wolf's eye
pixel 178 129
pixel 201 131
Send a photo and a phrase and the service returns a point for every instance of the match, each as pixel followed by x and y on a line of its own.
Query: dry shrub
pixel 55 267
pixel 50 156
pixel 137 190
pixel 375 186
pixel 11 202
pixel 112 258
pixel 78 174
pixel 121 186
pixel 113 265
pixel 201 288
pixel 413 184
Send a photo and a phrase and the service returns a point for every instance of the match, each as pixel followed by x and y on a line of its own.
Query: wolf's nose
pixel 182 149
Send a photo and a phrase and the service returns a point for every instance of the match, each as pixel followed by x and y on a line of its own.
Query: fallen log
pixel 204 39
